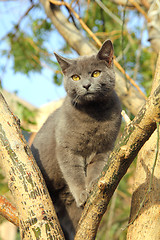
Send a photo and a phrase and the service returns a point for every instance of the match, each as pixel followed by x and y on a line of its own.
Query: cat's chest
pixel 85 132
pixel 88 136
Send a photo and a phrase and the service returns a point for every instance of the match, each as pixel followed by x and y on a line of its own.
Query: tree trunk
pixel 146 226
pixel 37 217
pixel 148 219
pixel 154 26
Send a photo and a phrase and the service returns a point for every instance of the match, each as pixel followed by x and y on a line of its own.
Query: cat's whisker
pixel 75 100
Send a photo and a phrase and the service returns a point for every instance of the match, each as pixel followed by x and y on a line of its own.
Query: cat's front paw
pixel 82 199
pixel 91 185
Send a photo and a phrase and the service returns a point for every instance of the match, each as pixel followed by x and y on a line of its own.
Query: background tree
pixel 90 23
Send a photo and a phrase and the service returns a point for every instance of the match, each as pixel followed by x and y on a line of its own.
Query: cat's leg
pixel 73 169
pixel 94 168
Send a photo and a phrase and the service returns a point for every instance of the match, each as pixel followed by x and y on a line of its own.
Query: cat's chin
pixel 87 98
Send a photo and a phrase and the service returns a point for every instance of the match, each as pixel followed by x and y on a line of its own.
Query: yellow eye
pixel 96 73
pixel 75 77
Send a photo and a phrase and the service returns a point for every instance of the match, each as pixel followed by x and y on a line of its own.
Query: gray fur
pixel 73 145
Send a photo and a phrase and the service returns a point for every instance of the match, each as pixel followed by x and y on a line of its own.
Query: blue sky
pixel 37 89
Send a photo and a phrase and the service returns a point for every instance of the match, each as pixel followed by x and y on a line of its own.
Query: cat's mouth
pixel 89 96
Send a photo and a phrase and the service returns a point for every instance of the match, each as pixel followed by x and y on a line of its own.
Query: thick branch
pixel 37 217
pixel 144 180
pixel 145 207
pixel 134 136
pixel 153 25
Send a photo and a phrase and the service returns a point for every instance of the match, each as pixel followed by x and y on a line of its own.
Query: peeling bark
pixel 37 217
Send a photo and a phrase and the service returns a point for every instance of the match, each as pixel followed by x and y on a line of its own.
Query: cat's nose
pixel 87 86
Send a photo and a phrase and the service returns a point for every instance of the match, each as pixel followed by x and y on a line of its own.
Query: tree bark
pixel 8 211
pixel 149 214
pixel 134 136
pixel 36 214
pixel 131 98
pixel 146 225
pixel 37 217
pixel 154 26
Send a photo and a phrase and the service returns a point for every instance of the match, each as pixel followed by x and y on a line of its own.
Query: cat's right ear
pixel 106 52
pixel 63 62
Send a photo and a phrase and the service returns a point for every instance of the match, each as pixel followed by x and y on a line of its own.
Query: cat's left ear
pixel 106 52
pixel 63 62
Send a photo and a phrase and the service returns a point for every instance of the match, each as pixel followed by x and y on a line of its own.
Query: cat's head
pixel 89 78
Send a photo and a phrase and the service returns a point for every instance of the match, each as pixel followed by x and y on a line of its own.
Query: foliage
pixel 30 53
pixel 3 189
pixel 28 50
pixel 26 115
pixel 3 184
pixel 124 35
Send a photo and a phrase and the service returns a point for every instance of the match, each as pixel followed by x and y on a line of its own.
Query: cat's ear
pixel 106 52
pixel 63 62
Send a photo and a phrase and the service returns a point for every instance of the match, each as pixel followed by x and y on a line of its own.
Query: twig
pixel 115 18
pixel 87 29
pixel 122 42
pixel 32 43
pixel 80 20
pixel 124 52
pixel 146 4
pixel 8 211
pixel 130 79
pixel 138 7
pixel 138 55
pixel 25 14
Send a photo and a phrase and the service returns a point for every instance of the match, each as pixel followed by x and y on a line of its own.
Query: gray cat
pixel 74 143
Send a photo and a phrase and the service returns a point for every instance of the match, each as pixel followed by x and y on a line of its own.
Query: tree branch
pixel 135 135
pixel 145 207
pixel 131 98
pixel 8 211
pixel 139 9
pixel 37 217
pixel 93 36
pixel 145 3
